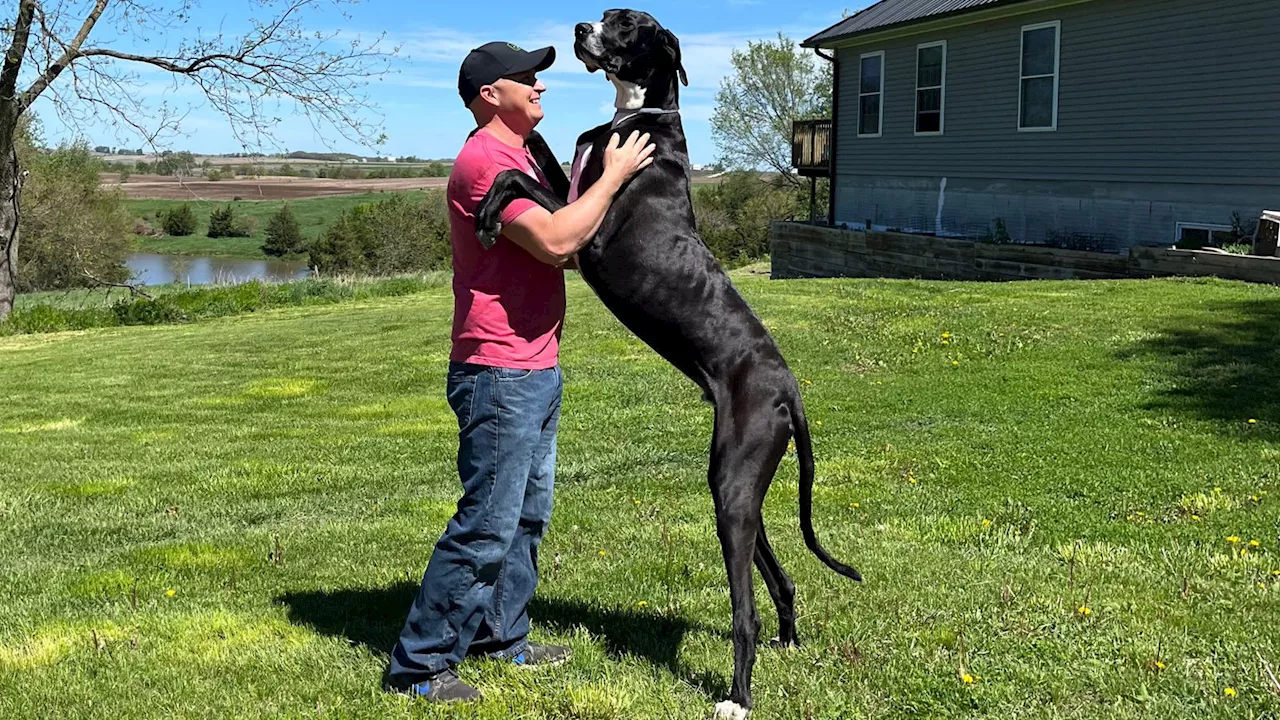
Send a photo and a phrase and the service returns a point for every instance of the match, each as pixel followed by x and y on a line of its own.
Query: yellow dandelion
pixel 1233 539
pixel 1217 489
pixel 946 336
pixel 1229 692
pixel 986 523
pixel 637 502
pixel 855 505
pixel 818 423
pixel 1244 552
pixel 1084 611
pixel 955 363
pixel 1196 518
pixel 1254 544
pixel 1275 573
pixel 642 604
pixel 967 679
pixel 602 553
pixel 1255 499
pixel 1160 665
pixel 1253 421
pixel 806 381
pixel 912 479
pixel 1262 586
pixel 170 592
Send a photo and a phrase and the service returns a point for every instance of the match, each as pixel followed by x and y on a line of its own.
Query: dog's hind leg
pixel 744 453
pixel 781 589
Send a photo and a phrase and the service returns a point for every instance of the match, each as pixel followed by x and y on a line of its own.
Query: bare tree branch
pixel 70 53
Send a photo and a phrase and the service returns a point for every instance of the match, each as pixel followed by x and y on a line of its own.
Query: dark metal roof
pixel 890 13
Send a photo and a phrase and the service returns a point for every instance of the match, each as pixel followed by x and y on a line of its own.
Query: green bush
pixel 396 235
pixel 178 221
pixel 734 217
pixel 224 223
pixel 284 234
pixel 71 227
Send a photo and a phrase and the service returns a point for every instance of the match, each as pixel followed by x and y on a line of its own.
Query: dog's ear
pixel 672 44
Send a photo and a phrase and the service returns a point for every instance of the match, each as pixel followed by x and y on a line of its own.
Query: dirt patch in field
pixel 268 188
pixel 161 187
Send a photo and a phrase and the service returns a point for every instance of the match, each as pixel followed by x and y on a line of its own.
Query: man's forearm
pixel 573 225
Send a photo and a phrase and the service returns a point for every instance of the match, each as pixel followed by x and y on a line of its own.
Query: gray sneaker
pixel 542 656
pixel 444 686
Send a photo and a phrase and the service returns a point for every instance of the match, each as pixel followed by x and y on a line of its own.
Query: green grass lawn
pixel 1038 480
pixel 314 215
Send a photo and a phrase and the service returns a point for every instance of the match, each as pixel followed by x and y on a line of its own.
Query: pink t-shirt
pixel 508 306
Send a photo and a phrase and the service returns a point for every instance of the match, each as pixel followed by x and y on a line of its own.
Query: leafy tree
pixel 284 234
pixel 76 233
pixel 178 221
pixel 773 83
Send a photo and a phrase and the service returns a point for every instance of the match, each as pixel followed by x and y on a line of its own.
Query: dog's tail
pixel 804 450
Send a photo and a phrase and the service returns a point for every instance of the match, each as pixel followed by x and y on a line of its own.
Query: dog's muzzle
pixel 587 46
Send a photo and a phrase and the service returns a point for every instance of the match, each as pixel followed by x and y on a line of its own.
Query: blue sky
pixel 419 104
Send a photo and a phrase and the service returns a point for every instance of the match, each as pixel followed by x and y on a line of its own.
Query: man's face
pixel 518 99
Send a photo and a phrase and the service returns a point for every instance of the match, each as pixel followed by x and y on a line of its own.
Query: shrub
pixel 178 221
pixel 284 234
pixel 213 175
pixel 71 227
pixel 734 217
pixel 399 234
pixel 224 223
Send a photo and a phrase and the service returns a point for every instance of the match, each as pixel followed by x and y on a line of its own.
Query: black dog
pixel 650 268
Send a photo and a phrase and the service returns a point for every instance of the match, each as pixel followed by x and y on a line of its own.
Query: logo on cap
pixel 515 47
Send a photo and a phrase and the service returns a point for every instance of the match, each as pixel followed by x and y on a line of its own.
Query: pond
pixel 156 269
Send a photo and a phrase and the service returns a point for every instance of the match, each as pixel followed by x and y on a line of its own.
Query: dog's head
pixel 631 46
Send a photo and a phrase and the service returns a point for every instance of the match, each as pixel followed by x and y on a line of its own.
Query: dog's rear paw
pixel 778 643
pixel 488 236
pixel 729 710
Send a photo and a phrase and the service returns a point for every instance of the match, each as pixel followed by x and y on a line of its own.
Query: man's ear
pixel 672 44
pixel 489 94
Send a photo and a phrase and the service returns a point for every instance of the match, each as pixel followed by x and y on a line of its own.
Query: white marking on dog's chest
pixel 630 95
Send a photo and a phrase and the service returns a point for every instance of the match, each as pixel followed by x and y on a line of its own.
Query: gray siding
pixel 1149 90
pixel 1168 111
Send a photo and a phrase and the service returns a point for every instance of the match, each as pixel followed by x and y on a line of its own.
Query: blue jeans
pixel 475 593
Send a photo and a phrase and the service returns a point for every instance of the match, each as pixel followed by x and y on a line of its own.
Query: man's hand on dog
pixel 623 161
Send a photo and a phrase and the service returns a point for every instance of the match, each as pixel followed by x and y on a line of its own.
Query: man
pixel 504 384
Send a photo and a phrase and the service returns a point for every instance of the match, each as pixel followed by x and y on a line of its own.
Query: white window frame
pixel 1057 75
pixel 1210 227
pixel 879 130
pixel 942 108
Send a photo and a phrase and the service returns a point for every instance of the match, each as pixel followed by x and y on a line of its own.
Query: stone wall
pixel 800 250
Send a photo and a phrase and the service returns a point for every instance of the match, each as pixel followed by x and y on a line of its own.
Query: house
pixel 1103 124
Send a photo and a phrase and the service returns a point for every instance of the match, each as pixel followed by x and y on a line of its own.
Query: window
pixel 1038 94
pixel 870 94
pixel 1193 236
pixel 931 83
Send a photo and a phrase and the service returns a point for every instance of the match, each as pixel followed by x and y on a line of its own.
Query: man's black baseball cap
pixel 487 63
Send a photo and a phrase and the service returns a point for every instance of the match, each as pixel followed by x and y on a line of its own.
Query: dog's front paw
pixel 729 710
pixel 488 233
